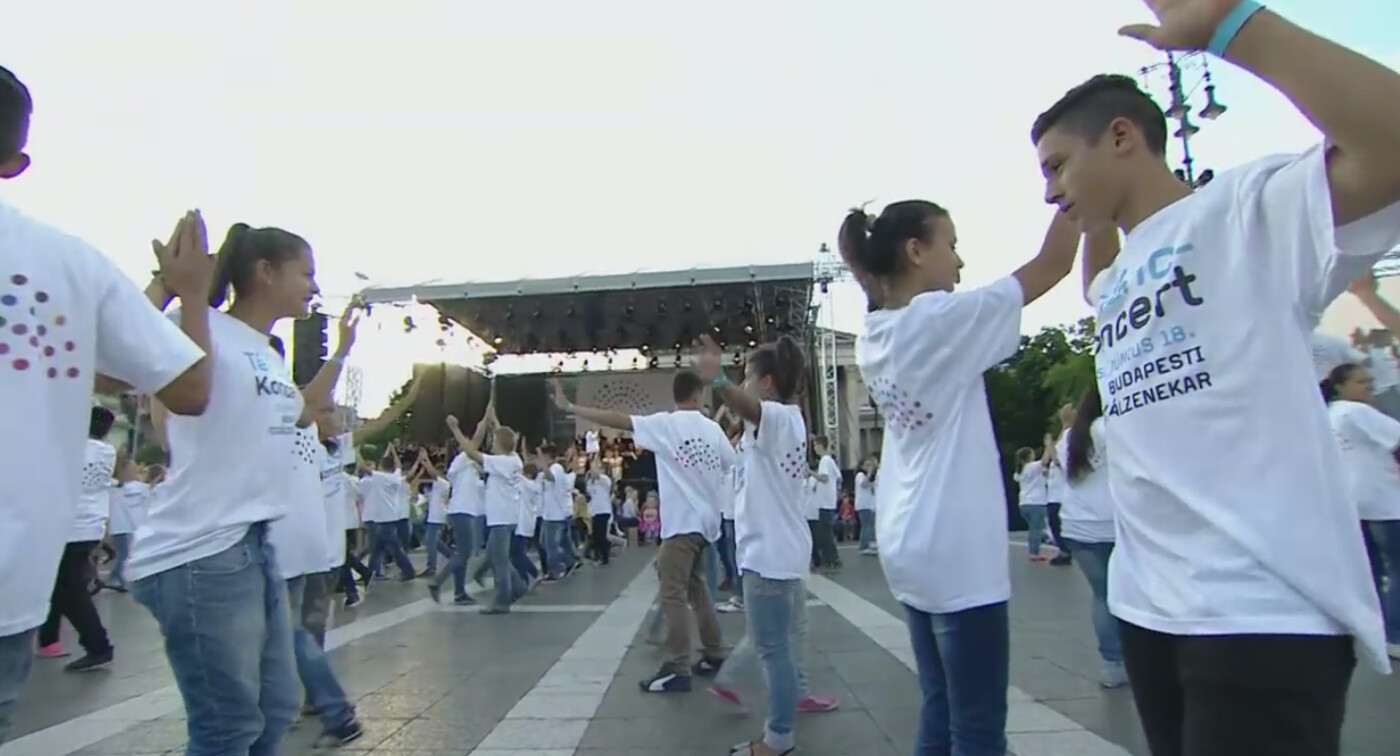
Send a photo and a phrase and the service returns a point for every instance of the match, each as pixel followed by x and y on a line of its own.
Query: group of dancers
pixel 1235 539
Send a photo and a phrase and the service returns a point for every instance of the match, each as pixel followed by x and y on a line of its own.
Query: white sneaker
pixel 730 606
pixel 1113 675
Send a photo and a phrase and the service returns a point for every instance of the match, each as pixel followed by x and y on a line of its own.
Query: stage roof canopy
pixel 660 312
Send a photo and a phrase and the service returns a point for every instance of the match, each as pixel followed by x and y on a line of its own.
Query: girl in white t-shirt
pixel 1030 476
pixel 771 531
pixel 202 562
pixel 941 510
pixel 865 504
pixel 1370 444
pixel 1087 524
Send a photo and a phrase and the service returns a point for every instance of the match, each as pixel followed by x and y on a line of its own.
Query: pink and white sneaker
pixel 817 704
pixel 51 651
pixel 728 695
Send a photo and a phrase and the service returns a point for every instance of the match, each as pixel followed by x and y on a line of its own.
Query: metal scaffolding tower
pixel 826 270
pixel 354 388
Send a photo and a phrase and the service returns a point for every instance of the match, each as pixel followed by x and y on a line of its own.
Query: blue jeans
pixel 867 527
pixel 963 662
pixel 467 533
pixel 559 546
pixel 1034 515
pixel 1092 559
pixel 16 655
pixel 432 542
pixel 323 691
pixel 227 625
pixel 1384 536
pixel 726 556
pixel 520 557
pixel 509 585
pixel 121 548
pixel 770 617
pixel 744 657
pixel 384 540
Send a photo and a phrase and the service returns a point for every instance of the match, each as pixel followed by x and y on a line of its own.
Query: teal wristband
pixel 1230 27
pixel 719 382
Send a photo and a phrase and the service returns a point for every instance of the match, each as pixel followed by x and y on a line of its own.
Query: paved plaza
pixel 559 677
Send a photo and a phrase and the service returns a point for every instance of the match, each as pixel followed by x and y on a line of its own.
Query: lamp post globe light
pixel 1188 75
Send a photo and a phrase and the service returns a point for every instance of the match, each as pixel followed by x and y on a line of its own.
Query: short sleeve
pixel 1289 200
pixel 136 343
pixel 652 432
pixel 1377 426
pixel 501 464
pixel 780 429
pixel 979 328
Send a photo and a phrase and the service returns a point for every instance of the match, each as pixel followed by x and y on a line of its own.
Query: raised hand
pixel 452 422
pixel 708 364
pixel 560 400
pixel 1181 24
pixel 186 268
pixel 349 322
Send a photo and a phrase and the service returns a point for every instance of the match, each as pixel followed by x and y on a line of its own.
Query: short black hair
pixel 1089 108
pixel 101 422
pixel 686 385
pixel 15 108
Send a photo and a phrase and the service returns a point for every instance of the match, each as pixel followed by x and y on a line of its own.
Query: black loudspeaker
pixel 308 347
pixel 425 425
pixel 447 390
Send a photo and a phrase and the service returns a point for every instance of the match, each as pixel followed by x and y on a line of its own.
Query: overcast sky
pixel 469 140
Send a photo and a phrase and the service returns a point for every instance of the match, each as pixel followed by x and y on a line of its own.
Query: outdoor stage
pixel 633 329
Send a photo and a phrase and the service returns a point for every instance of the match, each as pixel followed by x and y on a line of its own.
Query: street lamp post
pixel 1178 66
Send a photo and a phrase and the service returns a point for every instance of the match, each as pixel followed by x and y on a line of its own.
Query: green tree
pixel 396 430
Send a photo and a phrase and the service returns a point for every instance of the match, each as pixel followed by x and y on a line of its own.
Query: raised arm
pixel 605 418
pixel 320 391
pixel 735 398
pixel 1353 100
pixel 1053 262
pixel 386 418
pixel 1366 290
pixel 472 446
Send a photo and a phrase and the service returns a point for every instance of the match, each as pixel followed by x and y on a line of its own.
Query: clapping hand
pixel 186 267
pixel 709 358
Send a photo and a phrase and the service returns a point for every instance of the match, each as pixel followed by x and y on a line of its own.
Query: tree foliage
pixel 396 431
pixel 1049 369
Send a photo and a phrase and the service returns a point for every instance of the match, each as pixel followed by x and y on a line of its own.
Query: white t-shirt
pixel 69 314
pixel 558 502
pixel 941 511
pixel 830 491
pixel 437 501
pixel 1031 480
pixel 599 496
pixel 380 494
pixel 505 477
pixel 530 493
pixel 590 442
pixel 1086 513
pixel 468 489
pixel 352 501
pixel 692 456
pixel 811 504
pixel 1055 488
pixel 128 503
pixel 1328 352
pixel 629 509
pixel 1368 439
pixel 770 526
pixel 727 493
pixel 1383 368
pixel 1232 509
pixel 94 501
pixel 334 495
pixel 299 538
pixel 865 492
pixel 229 467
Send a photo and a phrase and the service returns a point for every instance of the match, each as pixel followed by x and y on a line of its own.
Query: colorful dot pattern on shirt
pixel 96 476
pixel 899 409
pixel 794 463
pixel 32 334
pixel 697 454
pixel 304 447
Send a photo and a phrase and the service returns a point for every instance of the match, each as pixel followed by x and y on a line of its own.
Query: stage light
pixel 748 328
pixel 660 308
pixel 499 340
pixel 538 313
pixel 686 305
pixel 748 304
pixel 718 305
pixel 738 358
pixel 510 313
pixel 635 360
pixel 572 313
pixel 678 362
pixel 645 348
pixel 630 310
pixel 752 343
pixel 585 364
pixel 654 362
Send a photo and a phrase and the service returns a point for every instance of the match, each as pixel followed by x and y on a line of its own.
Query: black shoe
pixel 427 573
pixel 1063 560
pixel 666 681
pixel 346 733
pixel 707 666
pixel 89 662
pixel 464 600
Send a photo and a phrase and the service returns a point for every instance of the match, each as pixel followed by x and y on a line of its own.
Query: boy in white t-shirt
pixel 828 489
pixel 1236 548
pixel 692 456
pixel 82 322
